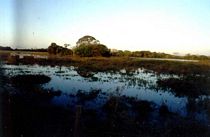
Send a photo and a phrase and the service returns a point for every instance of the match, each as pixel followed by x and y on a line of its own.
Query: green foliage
pixel 92 50
pixel 100 50
pixel 83 51
pixel 87 40
pixel 196 57
pixel 55 49
pixel 148 54
pixel 88 46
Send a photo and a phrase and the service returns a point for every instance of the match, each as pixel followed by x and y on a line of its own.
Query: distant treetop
pixel 87 40
pixel 88 46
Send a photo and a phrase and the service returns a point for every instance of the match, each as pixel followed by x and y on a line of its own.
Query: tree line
pixel 30 50
pixel 89 46
pixel 149 54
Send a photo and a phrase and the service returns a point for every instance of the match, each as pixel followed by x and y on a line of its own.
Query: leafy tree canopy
pixel 88 46
pixel 87 40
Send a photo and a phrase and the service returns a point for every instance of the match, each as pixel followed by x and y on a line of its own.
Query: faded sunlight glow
pixel 161 26
pixel 148 31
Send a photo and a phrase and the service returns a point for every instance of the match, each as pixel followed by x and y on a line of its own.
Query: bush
pixel 13 59
pixel 92 50
pixel 55 49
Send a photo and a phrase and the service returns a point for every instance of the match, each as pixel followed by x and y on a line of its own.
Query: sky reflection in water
pixel 140 84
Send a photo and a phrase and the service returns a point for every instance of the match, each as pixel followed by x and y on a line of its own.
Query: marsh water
pixel 140 84
pixel 75 85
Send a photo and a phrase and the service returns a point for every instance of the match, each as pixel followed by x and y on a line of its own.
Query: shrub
pixel 92 50
pixel 55 49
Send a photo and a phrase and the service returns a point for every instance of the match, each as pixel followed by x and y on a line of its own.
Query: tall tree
pixel 87 40
pixel 88 46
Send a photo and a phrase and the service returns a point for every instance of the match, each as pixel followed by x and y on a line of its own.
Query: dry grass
pixel 23 52
pixel 116 63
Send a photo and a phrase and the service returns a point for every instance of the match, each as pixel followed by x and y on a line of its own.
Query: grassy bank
pixel 23 52
pixel 96 64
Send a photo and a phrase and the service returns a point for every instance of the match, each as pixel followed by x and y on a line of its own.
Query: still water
pixel 140 84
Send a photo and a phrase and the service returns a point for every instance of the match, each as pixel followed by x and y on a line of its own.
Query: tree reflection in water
pixel 108 105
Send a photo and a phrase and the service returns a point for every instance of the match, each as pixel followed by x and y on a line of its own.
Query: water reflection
pixel 108 100
pixel 140 84
pixel 1 90
pixel 5 112
pixel 22 55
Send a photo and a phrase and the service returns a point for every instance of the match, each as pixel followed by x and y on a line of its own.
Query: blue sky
pixel 157 25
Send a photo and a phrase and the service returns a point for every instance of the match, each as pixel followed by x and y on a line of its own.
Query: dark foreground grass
pixel 30 79
pixel 191 86
pixel 34 117
pixel 29 112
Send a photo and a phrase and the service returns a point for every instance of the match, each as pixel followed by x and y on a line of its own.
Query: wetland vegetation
pixel 89 91
pixel 97 96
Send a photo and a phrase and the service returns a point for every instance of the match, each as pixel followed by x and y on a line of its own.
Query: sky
pixel 170 26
